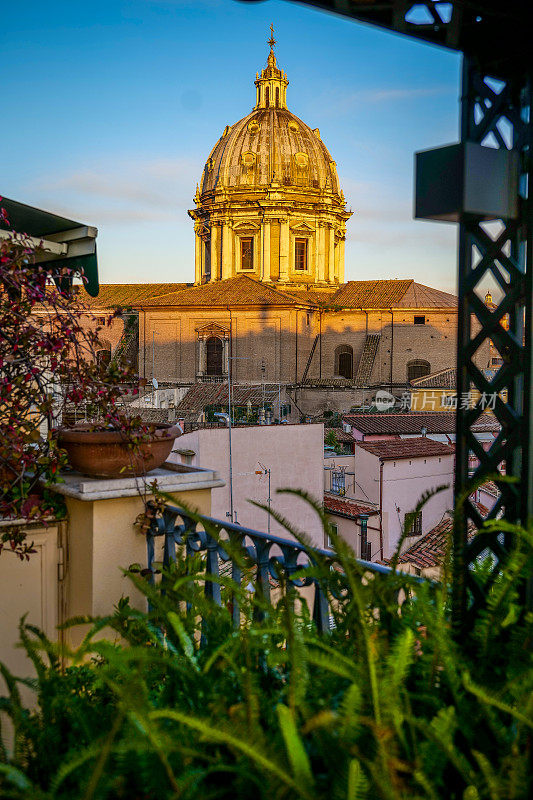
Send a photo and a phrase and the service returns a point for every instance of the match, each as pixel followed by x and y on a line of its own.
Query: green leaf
pixel 226 738
pixel 17 778
pixel 357 783
pixel 185 640
pixel 298 758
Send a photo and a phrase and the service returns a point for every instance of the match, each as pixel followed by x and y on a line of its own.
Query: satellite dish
pixel 155 383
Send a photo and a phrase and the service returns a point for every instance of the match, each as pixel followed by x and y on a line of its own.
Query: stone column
pixel 284 251
pixel 197 259
pixel 341 260
pixel 321 255
pixel 227 252
pixel 330 269
pixel 265 251
pixel 202 356
pixel 337 250
pixel 225 356
pixel 215 252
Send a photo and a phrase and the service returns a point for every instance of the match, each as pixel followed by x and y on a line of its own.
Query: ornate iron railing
pixel 269 557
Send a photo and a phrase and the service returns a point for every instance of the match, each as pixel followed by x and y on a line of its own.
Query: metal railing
pixel 273 561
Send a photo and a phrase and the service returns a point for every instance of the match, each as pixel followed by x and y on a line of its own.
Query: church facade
pixel 269 300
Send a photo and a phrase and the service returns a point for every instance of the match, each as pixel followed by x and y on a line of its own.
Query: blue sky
pixel 112 108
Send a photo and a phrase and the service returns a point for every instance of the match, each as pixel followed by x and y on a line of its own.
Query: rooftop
pixel 208 394
pixel 245 290
pixel 346 508
pixel 430 549
pixel 445 379
pixel 412 422
pixel 113 295
pixel 395 449
pixel 340 435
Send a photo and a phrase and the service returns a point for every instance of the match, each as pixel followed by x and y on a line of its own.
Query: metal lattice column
pixel 496 113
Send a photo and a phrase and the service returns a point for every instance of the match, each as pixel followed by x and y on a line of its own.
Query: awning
pixel 61 242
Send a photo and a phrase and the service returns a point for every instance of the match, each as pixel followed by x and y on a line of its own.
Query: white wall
pixel 294 455
pixel 404 482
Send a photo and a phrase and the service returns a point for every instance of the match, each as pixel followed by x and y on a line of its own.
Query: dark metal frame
pixel 500 112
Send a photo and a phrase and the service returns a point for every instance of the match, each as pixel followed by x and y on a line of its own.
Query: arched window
pixel 214 355
pixel 344 361
pixel 277 97
pixel 417 369
pixel 267 96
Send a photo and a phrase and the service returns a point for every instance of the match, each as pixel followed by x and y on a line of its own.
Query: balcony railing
pixel 235 551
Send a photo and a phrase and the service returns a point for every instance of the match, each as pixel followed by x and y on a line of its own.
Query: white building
pixel 386 479
pixel 279 456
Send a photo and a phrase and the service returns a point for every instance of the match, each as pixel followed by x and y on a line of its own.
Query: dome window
pixel 302 160
pixel 247 252
pixel 253 127
pixel 249 159
pixel 293 126
pixel 300 254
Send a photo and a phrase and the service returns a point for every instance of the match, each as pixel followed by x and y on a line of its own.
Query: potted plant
pixel 49 373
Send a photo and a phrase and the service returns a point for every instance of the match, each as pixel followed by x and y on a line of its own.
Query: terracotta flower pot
pixel 108 454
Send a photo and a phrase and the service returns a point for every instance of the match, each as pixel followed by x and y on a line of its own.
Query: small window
pixel 327 538
pixel 277 96
pixel 338 482
pixel 267 96
pixel 416 525
pixel 214 349
pixel 344 361
pixel 247 253
pixel 300 254
pixel 420 320
pixel 417 369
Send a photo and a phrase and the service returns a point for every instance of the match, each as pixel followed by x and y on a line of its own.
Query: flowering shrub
pixel 48 365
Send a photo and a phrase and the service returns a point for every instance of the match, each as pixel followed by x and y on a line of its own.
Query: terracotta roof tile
pixel 241 290
pixel 245 290
pixel 112 295
pixel 371 294
pixel 412 422
pixel 341 436
pixel 208 394
pixel 394 449
pixel 430 549
pixel 346 508
pixel 420 296
pixel 444 379
pixel 490 488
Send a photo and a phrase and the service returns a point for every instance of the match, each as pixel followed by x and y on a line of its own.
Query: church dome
pixel 271 145
pixel 269 203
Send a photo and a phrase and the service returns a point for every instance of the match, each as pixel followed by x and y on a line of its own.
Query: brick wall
pixel 269 335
